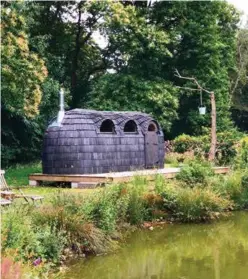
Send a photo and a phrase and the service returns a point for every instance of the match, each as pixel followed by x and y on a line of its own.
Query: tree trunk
pixel 211 155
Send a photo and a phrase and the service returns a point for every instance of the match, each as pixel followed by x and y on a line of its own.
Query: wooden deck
pixel 91 180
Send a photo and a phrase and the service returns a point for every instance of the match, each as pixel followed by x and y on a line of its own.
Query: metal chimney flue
pixel 61 107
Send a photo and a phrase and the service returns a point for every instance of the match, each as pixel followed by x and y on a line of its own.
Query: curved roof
pixel 83 119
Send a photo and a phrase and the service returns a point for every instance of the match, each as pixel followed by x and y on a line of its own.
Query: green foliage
pixel 193 204
pixel 226 145
pixel 195 172
pixel 239 89
pixel 241 160
pixel 159 183
pixel 19 233
pixel 105 211
pixel 209 58
pixel 185 143
pixel 129 92
pixel 234 187
pixel 45 45
pixel 18 174
pixel 22 70
pixel 88 223
pixel 199 204
pixel 244 180
pixel 136 207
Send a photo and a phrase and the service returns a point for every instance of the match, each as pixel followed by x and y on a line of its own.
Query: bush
pixel 200 204
pixel 105 209
pixel 191 205
pixel 234 187
pixel 185 143
pixel 241 160
pixel 226 145
pixel 136 208
pixel 195 172
pixel 69 220
pixel 21 235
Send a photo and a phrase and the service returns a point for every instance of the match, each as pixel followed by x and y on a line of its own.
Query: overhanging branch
pixel 199 87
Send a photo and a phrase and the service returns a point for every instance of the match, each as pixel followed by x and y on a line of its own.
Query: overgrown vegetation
pixel 231 145
pixel 71 223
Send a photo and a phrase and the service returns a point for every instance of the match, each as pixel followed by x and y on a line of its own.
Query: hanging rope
pixel 201 98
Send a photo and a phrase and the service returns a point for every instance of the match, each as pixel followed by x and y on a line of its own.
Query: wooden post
pixel 212 150
pixel 211 155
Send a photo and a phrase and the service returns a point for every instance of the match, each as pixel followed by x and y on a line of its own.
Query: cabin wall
pixel 98 154
pixel 78 146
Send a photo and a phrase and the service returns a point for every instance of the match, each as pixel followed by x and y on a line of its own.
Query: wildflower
pixel 37 262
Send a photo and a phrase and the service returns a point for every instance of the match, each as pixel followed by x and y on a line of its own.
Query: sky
pixel 241 5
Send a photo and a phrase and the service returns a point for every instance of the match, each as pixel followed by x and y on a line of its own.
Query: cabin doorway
pixel 151 146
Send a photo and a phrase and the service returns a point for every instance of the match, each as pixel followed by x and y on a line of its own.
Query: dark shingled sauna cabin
pixel 88 141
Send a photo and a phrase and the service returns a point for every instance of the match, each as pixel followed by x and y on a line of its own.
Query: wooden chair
pixel 9 195
pixel 4 202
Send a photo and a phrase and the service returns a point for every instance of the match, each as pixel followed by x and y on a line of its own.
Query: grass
pixel 18 175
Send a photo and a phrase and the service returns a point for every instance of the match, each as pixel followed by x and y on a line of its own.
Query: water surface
pixel 205 251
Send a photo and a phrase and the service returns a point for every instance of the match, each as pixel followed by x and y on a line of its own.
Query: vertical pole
pixel 61 100
pixel 61 107
pixel 211 155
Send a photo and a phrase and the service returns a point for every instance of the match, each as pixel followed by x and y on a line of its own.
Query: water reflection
pixel 218 251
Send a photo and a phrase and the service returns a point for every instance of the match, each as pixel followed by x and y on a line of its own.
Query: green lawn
pixel 18 177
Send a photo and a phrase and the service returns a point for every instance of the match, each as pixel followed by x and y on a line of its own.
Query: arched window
pixel 152 127
pixel 107 126
pixel 130 127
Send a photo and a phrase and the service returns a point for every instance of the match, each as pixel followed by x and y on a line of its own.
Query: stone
pixel 33 183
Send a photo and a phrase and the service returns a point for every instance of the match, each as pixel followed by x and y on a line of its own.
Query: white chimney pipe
pixel 61 107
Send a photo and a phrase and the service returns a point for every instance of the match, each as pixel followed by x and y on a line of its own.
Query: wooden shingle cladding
pixel 79 147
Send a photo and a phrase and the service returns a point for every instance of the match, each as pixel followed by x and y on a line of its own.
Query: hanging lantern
pixel 202 109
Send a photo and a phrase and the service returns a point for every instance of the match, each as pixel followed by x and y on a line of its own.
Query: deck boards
pixel 110 177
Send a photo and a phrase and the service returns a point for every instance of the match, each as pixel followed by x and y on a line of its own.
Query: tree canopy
pixel 48 44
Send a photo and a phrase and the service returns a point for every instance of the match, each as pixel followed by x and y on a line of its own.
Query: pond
pixel 205 251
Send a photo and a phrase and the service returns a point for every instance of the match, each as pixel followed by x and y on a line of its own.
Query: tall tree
pixel 240 81
pixel 23 71
pixel 203 46
pixel 136 53
pixel 66 29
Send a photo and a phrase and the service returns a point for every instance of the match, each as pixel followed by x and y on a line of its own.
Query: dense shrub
pixel 199 204
pixel 19 232
pixel 241 160
pixel 67 217
pixel 185 143
pixel 187 205
pixel 195 172
pixel 234 187
pixel 226 145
